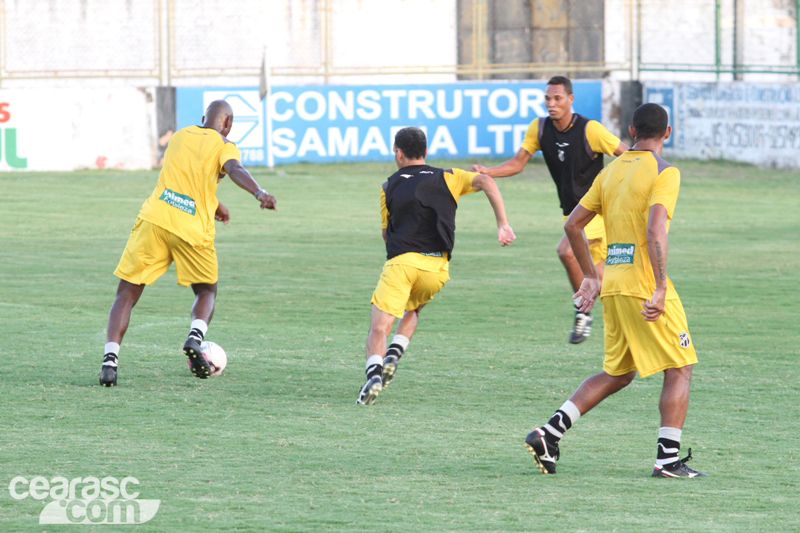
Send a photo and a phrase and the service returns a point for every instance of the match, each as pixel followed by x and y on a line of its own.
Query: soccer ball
pixel 215 355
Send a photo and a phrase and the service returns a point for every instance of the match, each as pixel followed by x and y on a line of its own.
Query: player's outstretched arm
pixel 590 286
pixel 657 244
pixel 482 182
pixel 241 177
pixel 511 167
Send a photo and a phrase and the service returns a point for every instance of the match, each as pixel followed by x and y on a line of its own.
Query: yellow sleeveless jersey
pixel 185 198
pixel 623 194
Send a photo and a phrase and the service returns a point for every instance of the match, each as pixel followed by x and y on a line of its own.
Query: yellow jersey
pixel 623 194
pixel 185 198
pixel 600 140
pixel 459 182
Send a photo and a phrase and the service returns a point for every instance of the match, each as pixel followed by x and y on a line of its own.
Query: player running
pixel 645 325
pixel 176 223
pixel 418 217
pixel 573 148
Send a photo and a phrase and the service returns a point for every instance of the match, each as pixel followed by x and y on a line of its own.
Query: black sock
pixel 374 370
pixel 667 451
pixel 557 426
pixel 110 359
pixel 395 350
pixel 197 334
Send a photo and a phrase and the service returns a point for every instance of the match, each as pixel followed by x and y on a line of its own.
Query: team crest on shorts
pixel 684 340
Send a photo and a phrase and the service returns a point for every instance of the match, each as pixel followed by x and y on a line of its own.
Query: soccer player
pixel 645 325
pixel 418 217
pixel 176 223
pixel 573 148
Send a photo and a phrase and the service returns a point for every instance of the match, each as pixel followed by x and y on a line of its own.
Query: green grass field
pixel 277 444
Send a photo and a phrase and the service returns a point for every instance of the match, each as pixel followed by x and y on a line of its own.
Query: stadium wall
pixel 757 123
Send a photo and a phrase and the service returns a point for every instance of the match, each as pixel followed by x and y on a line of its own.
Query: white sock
pixel 199 325
pixel 374 360
pixel 112 347
pixel 572 411
pixel 402 340
pixel 670 433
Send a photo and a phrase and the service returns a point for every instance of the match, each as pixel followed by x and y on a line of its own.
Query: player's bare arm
pixel 621 148
pixel 590 286
pixel 657 250
pixel 241 177
pixel 482 182
pixel 222 214
pixel 512 167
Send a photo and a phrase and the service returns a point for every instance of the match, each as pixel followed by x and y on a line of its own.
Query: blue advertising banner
pixel 328 124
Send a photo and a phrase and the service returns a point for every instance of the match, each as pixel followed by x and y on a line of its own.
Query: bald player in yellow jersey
pixel 645 326
pixel 176 224
pixel 573 148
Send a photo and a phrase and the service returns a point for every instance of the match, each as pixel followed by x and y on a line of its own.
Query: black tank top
pixel 572 163
pixel 422 212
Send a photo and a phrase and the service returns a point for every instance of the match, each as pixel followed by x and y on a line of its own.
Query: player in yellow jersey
pixel 418 217
pixel 573 148
pixel 176 224
pixel 645 326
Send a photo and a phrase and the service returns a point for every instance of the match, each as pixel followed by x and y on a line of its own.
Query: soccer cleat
pixel 370 390
pixel 544 453
pixel 197 361
pixel 677 469
pixel 389 368
pixel 108 373
pixel 581 329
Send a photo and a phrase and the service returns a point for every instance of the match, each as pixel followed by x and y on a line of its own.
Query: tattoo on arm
pixel 660 259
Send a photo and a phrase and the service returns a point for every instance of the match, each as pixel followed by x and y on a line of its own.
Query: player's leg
pixel 197 267
pixel 388 302
pixel 202 312
pixel 118 319
pixel 673 406
pixel 542 442
pixel 145 258
pixel 582 321
pixel 425 286
pixel 379 328
pixel 402 336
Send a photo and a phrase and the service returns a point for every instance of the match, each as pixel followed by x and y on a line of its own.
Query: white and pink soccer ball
pixel 215 355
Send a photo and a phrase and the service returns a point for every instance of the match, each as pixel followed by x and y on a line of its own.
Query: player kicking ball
pixel 645 326
pixel 418 216
pixel 176 224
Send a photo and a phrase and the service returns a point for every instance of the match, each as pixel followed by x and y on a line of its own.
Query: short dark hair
pixel 650 121
pixel 561 80
pixel 412 142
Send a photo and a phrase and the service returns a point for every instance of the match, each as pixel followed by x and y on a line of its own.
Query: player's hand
pixel 267 201
pixel 654 307
pixel 588 292
pixel 222 214
pixel 479 168
pixel 505 235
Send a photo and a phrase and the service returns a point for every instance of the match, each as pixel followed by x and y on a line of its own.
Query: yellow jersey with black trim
pixel 185 198
pixel 459 183
pixel 623 194
pixel 600 140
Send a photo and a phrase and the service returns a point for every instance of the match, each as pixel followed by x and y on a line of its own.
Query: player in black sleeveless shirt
pixel 573 148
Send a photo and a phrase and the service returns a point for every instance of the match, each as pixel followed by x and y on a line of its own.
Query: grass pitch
pixel 277 444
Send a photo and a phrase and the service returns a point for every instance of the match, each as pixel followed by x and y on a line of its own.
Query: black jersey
pixel 572 163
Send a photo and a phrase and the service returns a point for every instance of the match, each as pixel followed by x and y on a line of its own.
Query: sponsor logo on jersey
pixel 179 201
pixel 620 254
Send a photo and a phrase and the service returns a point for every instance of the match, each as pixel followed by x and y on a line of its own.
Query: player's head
pixel 558 97
pixel 219 116
pixel 650 121
pixel 410 144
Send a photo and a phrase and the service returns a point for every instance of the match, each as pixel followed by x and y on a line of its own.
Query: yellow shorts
pixel 152 249
pixel 632 343
pixel 405 288
pixel 596 235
